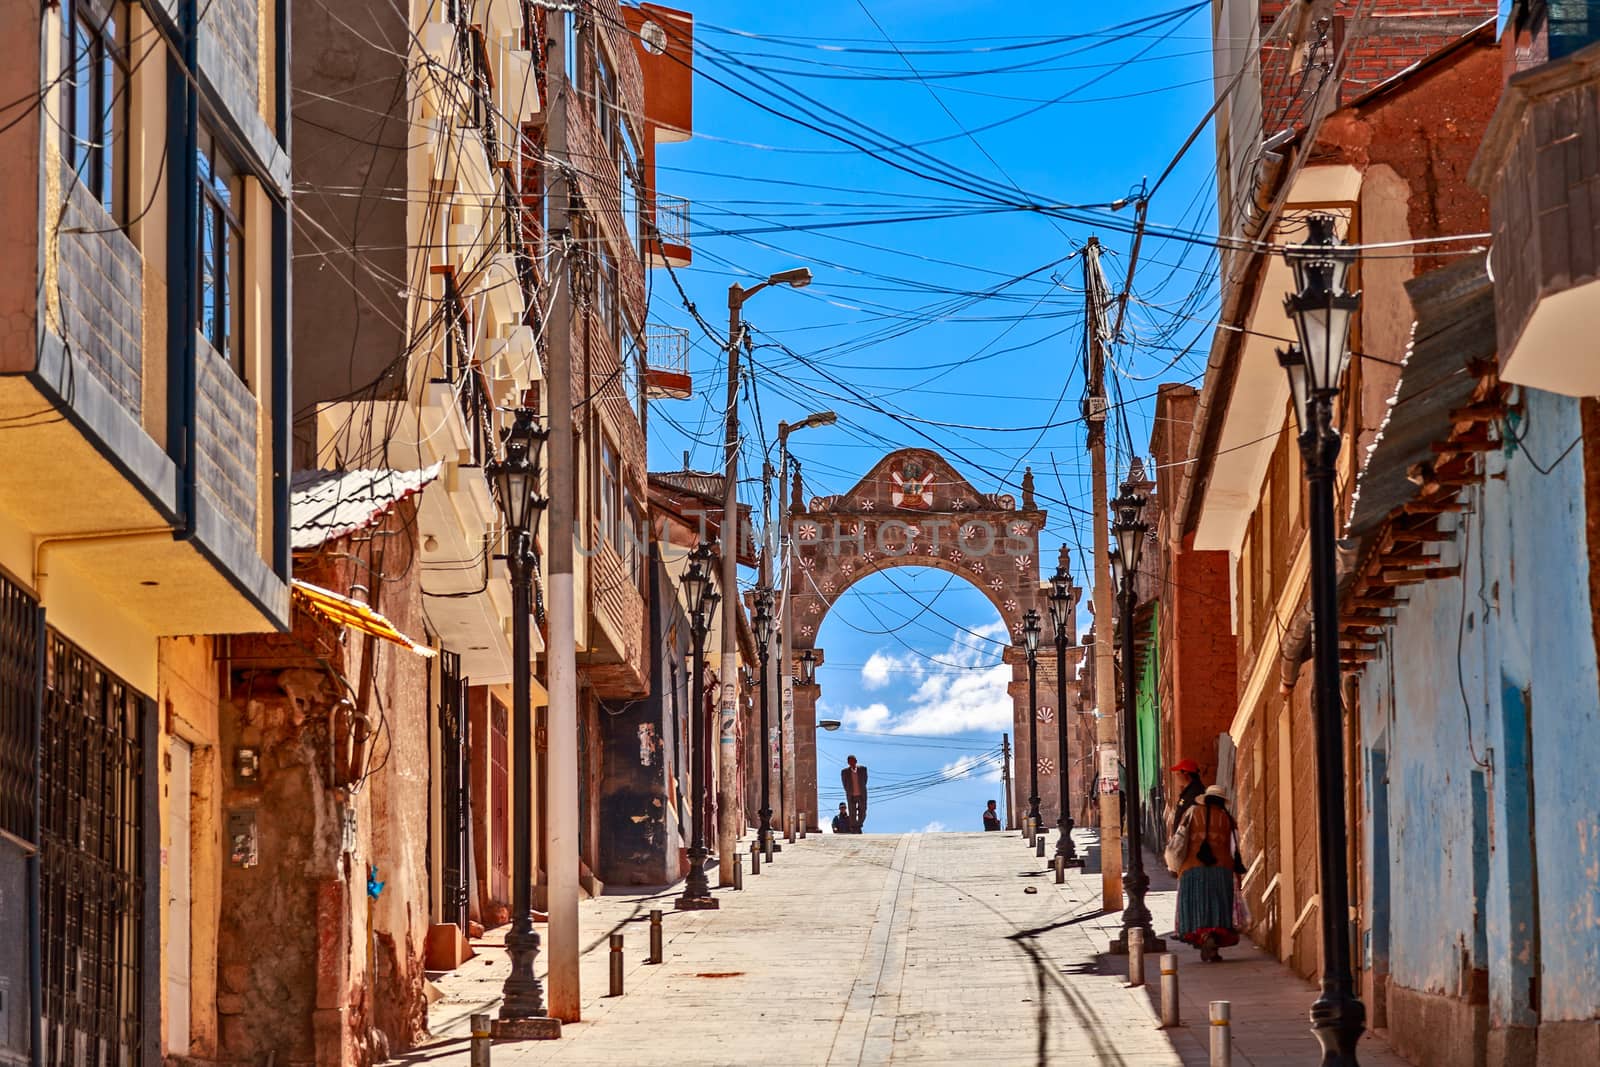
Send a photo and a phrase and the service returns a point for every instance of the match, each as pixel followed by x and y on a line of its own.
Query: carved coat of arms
pixel 913 487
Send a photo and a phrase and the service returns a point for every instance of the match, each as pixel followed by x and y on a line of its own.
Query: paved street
pixel 915 948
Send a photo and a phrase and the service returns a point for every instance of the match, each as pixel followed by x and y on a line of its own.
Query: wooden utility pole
pixel 1005 777
pixel 561 791
pixel 1105 698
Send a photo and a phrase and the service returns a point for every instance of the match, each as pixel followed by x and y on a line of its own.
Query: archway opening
pixel 913 669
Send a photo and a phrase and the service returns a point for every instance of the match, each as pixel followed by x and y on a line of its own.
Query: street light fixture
pixel 762 624
pixel 829 725
pixel 1030 641
pixel 808 668
pixel 1322 308
pixel 515 477
pixel 738 295
pixel 702 600
pixel 1061 621
pixel 1129 529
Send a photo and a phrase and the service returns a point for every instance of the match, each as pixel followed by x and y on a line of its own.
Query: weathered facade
pixel 144 368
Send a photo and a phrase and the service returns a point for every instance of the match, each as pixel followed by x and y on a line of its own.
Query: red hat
pixel 1187 765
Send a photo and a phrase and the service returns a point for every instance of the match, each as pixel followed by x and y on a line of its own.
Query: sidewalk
pixel 916 948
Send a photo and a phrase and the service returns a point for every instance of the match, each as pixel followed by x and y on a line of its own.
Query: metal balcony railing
pixel 666 366
pixel 672 221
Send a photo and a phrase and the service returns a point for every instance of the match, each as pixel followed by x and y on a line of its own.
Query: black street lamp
pixel 1322 308
pixel 1030 641
pixel 762 624
pixel 808 667
pixel 1129 529
pixel 1061 621
pixel 515 478
pixel 702 602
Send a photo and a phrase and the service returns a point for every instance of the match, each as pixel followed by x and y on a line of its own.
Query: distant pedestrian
pixel 841 821
pixel 991 818
pixel 854 777
pixel 1204 852
pixel 1190 789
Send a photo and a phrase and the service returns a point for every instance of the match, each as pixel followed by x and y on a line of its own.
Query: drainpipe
pixel 134 535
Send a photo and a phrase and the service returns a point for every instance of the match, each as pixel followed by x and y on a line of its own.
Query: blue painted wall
pixel 1484 712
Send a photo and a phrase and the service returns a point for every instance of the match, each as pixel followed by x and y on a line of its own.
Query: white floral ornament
pixel 997 582
pixel 867 503
pixel 977 566
pixel 960 504
pixel 1011 605
pixel 1023 562
pixel 1021 529
pixel 956 555
pixel 1047 714
pixel 809 531
pixel 807 561
pixel 807 631
pixel 828 586
pixel 1047 765
pixel 814 609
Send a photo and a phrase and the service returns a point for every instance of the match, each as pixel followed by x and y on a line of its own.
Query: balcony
pixel 666 368
pixel 1540 166
pixel 666 242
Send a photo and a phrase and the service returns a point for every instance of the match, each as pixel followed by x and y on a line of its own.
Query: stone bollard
pixel 755 857
pixel 802 825
pixel 1221 1035
pixel 656 949
pixel 482 1041
pixel 1061 870
pixel 1136 957
pixel 1169 991
pixel 616 965
pixel 769 849
pixel 1038 846
pixel 1027 829
pixel 738 872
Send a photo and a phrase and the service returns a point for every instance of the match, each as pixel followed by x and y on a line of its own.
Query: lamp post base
pixel 688 903
pixel 538 1028
pixel 1152 943
pixel 1066 848
pixel 1338 1023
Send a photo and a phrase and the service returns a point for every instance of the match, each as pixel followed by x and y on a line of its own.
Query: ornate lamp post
pixel 702 603
pixel 762 624
pixel 1061 620
pixel 1322 308
pixel 1129 530
pixel 1030 641
pixel 516 481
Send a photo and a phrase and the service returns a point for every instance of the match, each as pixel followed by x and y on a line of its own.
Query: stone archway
pixel 913 509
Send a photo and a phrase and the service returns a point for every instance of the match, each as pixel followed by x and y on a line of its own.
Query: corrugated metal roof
pixel 324 505
pixel 1454 326
pixel 699 483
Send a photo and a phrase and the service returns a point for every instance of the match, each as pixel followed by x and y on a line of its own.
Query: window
pixel 94 86
pixel 220 264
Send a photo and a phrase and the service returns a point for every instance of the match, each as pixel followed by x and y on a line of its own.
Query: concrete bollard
pixel 738 872
pixel 1028 830
pixel 616 965
pixel 656 950
pixel 768 856
pixel 1221 1034
pixel 1169 990
pixel 1061 870
pixel 1038 846
pixel 482 1041
pixel 755 857
pixel 1136 957
pixel 802 825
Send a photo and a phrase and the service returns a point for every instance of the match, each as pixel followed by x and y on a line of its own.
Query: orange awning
pixel 354 614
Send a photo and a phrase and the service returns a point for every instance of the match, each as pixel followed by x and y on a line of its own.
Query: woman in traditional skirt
pixel 1205 877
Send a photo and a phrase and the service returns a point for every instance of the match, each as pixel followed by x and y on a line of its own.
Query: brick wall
pixel 101 278
pixel 234 26
pixel 225 439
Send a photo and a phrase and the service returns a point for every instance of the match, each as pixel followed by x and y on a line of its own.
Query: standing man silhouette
pixel 854 777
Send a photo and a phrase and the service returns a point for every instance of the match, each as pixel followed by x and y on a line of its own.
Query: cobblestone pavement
pixel 879 948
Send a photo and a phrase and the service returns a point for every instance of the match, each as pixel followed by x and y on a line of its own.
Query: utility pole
pixel 561 791
pixel 1105 692
pixel 1005 779
pixel 729 816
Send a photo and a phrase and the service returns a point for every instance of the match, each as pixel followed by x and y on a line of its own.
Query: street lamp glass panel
pixel 1030 630
pixel 763 621
pixel 1294 365
pixel 1323 249
pixel 808 667
pixel 1322 319
pixel 1117 573
pixel 1129 528
pixel 1060 600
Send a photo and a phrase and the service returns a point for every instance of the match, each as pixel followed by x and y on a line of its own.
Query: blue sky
pixel 941 316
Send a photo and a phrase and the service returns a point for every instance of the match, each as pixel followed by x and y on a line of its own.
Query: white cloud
pixel 934 827
pixel 875 672
pixel 870 719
